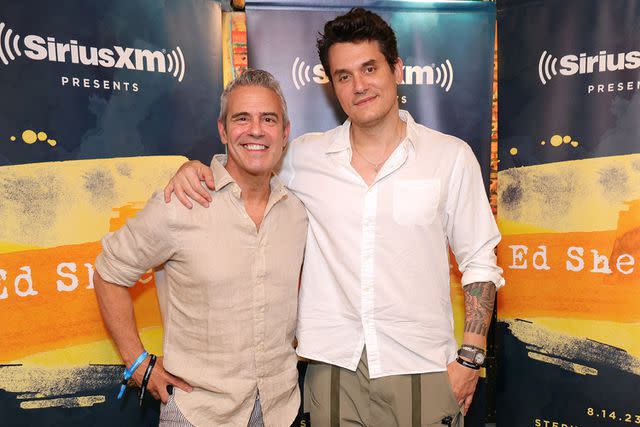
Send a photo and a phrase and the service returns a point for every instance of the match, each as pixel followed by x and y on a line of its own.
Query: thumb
pixel 207 176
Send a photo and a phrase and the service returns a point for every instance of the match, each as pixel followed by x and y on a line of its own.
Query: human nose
pixel 359 83
pixel 256 130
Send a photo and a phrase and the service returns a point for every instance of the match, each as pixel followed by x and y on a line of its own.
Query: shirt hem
pixel 314 358
pixel 385 374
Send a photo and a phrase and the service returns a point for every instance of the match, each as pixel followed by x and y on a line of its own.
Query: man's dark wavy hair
pixel 357 25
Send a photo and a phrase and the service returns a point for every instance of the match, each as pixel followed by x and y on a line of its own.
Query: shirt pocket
pixel 415 201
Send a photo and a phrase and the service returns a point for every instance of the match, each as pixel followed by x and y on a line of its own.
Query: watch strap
pixel 475 354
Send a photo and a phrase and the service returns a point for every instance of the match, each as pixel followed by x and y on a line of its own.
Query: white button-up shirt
pixel 376 268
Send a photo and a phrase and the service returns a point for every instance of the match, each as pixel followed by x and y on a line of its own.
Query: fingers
pixel 163 395
pixel 463 383
pixel 172 380
pixel 154 389
pixel 157 387
pixel 467 404
pixel 198 193
pixel 206 174
pixel 195 173
pixel 174 187
pixel 467 398
pixel 208 179
pixel 180 383
pixel 186 184
pixel 161 380
pixel 167 192
pixel 182 197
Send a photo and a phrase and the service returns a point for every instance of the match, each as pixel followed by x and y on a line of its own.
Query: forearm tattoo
pixel 478 303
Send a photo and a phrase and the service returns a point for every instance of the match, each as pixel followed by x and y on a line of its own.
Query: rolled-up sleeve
pixel 471 227
pixel 145 241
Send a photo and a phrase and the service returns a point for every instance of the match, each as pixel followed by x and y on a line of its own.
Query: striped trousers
pixel 170 415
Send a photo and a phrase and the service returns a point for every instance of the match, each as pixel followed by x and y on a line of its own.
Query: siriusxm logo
pixel 582 64
pixel 300 74
pixel 40 48
pixel 434 75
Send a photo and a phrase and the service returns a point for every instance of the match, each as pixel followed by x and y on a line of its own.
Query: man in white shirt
pixel 387 198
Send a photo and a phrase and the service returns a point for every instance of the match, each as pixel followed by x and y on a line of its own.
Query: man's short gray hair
pixel 252 77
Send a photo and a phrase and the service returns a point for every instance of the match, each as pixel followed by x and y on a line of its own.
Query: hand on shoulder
pixel 186 184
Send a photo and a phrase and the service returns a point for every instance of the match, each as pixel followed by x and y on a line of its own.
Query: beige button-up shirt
pixel 228 296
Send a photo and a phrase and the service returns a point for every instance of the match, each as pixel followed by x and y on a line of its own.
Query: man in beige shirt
pixel 229 318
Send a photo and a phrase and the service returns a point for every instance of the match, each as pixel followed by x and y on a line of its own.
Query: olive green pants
pixel 336 396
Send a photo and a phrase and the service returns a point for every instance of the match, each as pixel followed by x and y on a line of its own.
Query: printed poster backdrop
pixel 569 211
pixel 447 85
pixel 99 102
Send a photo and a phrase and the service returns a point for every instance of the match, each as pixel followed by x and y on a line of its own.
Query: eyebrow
pixel 262 114
pixel 364 64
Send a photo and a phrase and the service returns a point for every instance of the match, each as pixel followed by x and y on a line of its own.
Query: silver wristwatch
pixel 475 354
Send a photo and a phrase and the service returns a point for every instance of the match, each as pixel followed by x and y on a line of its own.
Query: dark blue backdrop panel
pixel 446 47
pixel 110 79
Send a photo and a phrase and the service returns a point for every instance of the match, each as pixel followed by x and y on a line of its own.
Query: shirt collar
pixel 222 178
pixel 342 141
pixel 412 128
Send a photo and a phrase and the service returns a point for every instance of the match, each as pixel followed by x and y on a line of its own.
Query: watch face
pixel 476 355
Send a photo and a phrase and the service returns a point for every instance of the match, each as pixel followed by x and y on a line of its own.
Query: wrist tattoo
pixel 478 301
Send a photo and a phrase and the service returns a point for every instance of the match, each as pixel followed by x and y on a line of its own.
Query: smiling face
pixel 254 131
pixel 365 85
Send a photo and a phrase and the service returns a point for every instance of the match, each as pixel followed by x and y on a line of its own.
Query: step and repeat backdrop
pixel 99 102
pixel 569 211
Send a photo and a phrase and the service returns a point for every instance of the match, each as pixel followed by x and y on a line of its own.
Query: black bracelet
pixel 467 364
pixel 145 379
